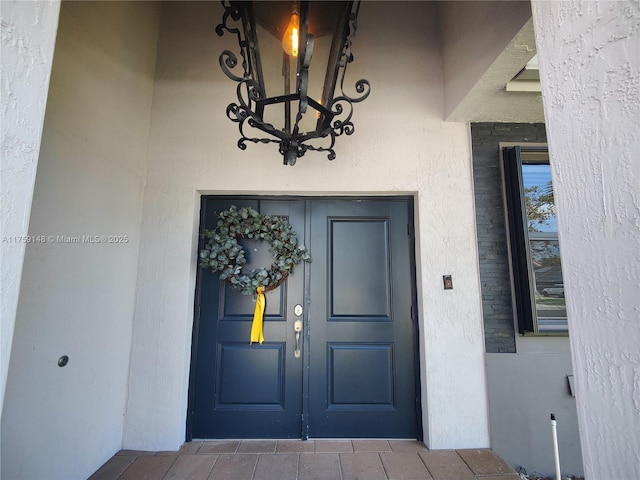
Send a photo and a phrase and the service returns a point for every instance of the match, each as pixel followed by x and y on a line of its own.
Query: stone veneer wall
pixel 492 237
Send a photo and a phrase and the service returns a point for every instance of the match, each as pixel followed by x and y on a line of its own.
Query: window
pixel 533 240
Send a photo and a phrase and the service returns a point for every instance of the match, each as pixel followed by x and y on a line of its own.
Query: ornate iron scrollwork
pixel 251 99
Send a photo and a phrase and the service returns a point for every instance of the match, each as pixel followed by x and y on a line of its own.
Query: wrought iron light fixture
pixel 277 41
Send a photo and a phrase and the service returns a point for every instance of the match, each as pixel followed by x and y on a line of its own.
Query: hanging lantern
pixel 293 59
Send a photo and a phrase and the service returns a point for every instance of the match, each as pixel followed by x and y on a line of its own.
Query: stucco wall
pixel 77 298
pixel 524 389
pixel 400 146
pixel 28 35
pixel 589 57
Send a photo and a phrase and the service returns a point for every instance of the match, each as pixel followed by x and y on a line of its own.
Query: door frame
pixel 409 199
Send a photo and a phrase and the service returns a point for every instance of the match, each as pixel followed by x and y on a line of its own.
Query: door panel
pixel 262 368
pixel 241 390
pixel 360 376
pixel 356 376
pixel 359 277
pixel 361 334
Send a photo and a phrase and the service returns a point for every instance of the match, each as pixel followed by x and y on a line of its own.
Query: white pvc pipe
pixel 556 455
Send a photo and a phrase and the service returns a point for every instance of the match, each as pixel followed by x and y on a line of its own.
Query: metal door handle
pixel 297 327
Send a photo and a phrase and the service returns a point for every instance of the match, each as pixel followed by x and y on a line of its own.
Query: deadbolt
pixel 297 310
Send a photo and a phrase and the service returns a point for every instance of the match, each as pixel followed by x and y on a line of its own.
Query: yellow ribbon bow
pixel 256 326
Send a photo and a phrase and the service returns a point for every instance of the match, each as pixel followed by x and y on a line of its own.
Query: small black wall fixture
pixel 277 41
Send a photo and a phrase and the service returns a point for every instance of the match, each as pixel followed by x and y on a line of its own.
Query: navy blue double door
pixel 355 374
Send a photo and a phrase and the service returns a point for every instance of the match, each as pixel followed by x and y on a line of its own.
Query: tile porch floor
pixel 310 460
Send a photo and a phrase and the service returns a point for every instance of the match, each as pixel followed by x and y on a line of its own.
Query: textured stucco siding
pixel 589 56
pixel 28 32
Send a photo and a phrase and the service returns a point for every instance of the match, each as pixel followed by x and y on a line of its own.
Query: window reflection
pixel 548 286
pixel 538 198
pixel 544 251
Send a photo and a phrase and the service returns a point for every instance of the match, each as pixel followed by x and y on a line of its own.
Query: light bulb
pixel 290 39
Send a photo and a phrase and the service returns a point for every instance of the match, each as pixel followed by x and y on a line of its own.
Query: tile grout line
pixel 465 462
pixel 122 473
pixel 386 474
pixel 255 467
pixel 213 465
pixel 168 469
pixel 425 465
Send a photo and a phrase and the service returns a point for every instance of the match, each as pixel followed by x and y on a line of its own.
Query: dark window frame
pixel 519 241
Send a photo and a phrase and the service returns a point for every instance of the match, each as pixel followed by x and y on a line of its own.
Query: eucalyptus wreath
pixel 222 252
